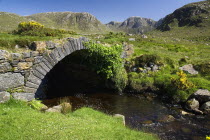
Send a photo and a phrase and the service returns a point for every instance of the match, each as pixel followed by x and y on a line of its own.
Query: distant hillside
pixel 133 25
pixel 79 22
pixel 9 21
pixel 194 14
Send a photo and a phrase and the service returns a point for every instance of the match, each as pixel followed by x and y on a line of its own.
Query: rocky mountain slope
pixel 79 22
pixel 133 25
pixel 9 21
pixel 194 14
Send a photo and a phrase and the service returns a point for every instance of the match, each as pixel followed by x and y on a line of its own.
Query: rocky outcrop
pixel 202 95
pixel 199 102
pixel 135 25
pixel 4 97
pixel 194 14
pixel 189 68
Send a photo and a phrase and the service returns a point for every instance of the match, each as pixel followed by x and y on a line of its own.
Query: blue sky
pixel 104 10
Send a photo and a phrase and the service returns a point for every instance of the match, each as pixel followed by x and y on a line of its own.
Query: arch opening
pixel 72 75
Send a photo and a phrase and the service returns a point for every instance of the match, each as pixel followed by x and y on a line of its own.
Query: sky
pixel 103 10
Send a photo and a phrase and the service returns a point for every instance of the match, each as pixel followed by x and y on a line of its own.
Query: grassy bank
pixel 19 121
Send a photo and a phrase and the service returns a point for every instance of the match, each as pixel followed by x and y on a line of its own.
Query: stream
pixel 144 114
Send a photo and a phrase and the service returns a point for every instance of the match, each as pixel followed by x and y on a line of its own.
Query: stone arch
pixel 49 60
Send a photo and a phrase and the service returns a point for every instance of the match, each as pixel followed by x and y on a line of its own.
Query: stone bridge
pixel 22 73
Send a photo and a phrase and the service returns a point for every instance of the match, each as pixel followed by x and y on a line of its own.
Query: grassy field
pixel 20 122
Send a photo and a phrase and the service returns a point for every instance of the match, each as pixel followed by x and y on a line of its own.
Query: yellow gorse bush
pixel 31 25
pixel 182 82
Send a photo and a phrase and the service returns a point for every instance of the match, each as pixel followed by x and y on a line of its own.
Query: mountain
pixel 10 21
pixel 79 22
pixel 133 25
pixel 194 14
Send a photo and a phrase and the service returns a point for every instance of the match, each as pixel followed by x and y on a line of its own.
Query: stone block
pixel 24 65
pixel 11 80
pixel 23 96
pixel 5 67
pixel 26 55
pixel 16 56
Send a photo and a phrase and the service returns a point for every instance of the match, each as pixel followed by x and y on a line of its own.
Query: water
pixel 145 114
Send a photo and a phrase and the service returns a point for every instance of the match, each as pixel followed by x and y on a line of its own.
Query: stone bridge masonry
pixel 26 70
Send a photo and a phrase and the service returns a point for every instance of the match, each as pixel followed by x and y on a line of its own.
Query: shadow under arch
pixel 70 76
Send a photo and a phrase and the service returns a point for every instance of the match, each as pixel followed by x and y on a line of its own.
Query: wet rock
pixel 57 109
pixel 167 118
pixel 11 80
pixel 206 107
pixel 4 97
pixel 120 116
pixel 24 65
pixel 24 96
pixel 147 122
pixel 202 95
pixel 185 113
pixel 192 104
pixel 5 67
pixel 189 68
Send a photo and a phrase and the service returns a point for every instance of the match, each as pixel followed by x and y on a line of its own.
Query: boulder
pixel 11 80
pixel 189 68
pixel 4 97
pixel 192 104
pixel 121 117
pixel 57 109
pixel 202 95
pixel 24 96
pixel 5 67
pixel 206 107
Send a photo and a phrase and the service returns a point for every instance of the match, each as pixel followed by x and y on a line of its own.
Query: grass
pixel 19 121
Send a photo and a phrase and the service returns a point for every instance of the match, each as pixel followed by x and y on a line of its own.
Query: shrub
pixel 36 29
pixel 29 26
pixel 182 82
pixel 107 62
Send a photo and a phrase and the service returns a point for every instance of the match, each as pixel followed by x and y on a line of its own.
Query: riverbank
pixel 19 121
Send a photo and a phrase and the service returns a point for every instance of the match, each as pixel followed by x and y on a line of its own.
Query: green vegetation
pixel 107 61
pixel 9 41
pixel 19 121
pixel 33 28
